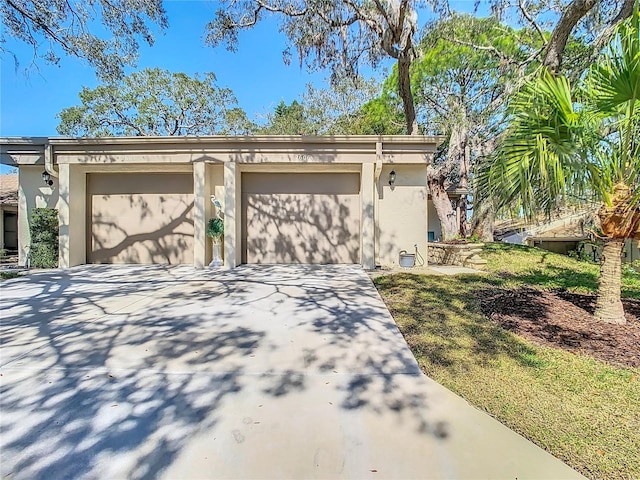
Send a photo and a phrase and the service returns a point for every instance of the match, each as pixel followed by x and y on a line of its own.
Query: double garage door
pixel 140 218
pixel 286 218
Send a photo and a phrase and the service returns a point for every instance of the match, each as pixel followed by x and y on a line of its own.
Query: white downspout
pixel 376 201
pixel 48 161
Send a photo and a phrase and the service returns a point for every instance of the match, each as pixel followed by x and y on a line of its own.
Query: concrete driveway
pixel 259 372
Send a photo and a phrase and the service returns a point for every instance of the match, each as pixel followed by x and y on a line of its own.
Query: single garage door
pixel 140 218
pixel 301 217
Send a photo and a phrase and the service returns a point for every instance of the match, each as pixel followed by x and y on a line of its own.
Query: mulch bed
pixel 562 319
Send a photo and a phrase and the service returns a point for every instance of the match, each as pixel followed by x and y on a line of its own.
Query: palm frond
pixel 536 160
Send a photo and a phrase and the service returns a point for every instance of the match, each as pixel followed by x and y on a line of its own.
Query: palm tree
pixel 583 141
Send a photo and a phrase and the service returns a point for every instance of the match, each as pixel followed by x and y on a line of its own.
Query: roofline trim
pixel 240 139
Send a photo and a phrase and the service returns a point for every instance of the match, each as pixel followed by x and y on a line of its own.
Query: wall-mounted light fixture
pixel 46 177
pixel 392 178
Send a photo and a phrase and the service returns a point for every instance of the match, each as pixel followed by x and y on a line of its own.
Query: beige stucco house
pixel 332 199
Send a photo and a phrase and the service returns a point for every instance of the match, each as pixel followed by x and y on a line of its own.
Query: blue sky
pixel 256 73
pixel 29 101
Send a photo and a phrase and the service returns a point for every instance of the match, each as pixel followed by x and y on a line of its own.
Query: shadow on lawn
pixel 551 270
pixel 110 371
pixel 461 321
pixel 443 324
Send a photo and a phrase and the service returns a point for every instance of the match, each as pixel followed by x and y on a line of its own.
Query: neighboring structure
pixel 561 239
pixel 583 245
pixel 567 226
pixel 631 251
pixel 9 213
pixel 569 232
pixel 339 199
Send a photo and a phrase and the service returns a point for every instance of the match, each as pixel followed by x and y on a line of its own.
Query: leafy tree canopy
pixel 287 120
pixel 555 22
pixel 335 110
pixel 335 35
pixel 155 102
pixel 466 63
pixel 584 140
pixel 380 116
pixel 54 27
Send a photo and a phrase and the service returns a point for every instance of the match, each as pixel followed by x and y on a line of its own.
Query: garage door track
pixel 258 372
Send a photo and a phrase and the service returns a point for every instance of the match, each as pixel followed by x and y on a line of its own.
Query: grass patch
pixel 519 265
pixel 581 410
pixel 8 274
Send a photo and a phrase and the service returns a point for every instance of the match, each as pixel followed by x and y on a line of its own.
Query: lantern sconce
pixel 46 178
pixel 392 178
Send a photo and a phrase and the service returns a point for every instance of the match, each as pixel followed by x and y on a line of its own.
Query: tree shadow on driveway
pixel 114 371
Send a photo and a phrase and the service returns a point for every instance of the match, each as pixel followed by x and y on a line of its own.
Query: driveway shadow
pixel 114 371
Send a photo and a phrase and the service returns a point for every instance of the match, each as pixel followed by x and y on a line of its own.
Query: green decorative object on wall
pixel 215 228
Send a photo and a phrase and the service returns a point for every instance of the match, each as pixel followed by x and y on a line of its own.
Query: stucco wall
pixel 212 186
pixel 391 218
pixel 255 150
pixel 32 193
pixel 402 213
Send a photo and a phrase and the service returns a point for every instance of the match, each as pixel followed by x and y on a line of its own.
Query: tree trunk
pixel 483 220
pixel 437 180
pixel 463 183
pixel 608 304
pixel 404 90
pixel 463 224
pixel 572 14
pixel 442 204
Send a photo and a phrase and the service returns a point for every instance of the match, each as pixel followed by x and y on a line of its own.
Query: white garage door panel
pixel 140 218
pixel 301 218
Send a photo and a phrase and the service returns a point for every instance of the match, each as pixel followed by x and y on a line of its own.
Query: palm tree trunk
pixel 608 304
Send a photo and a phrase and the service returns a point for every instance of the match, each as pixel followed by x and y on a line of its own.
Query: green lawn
pixel 7 275
pixel 520 265
pixel 581 410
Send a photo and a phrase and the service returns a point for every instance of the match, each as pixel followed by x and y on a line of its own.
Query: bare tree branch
pixel 626 10
pixel 530 19
pixel 39 23
pixel 572 14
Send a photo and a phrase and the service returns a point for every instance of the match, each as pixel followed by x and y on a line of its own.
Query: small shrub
pixel 474 238
pixel 581 253
pixel 44 256
pixel 44 238
pixel 8 275
pixel 215 228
